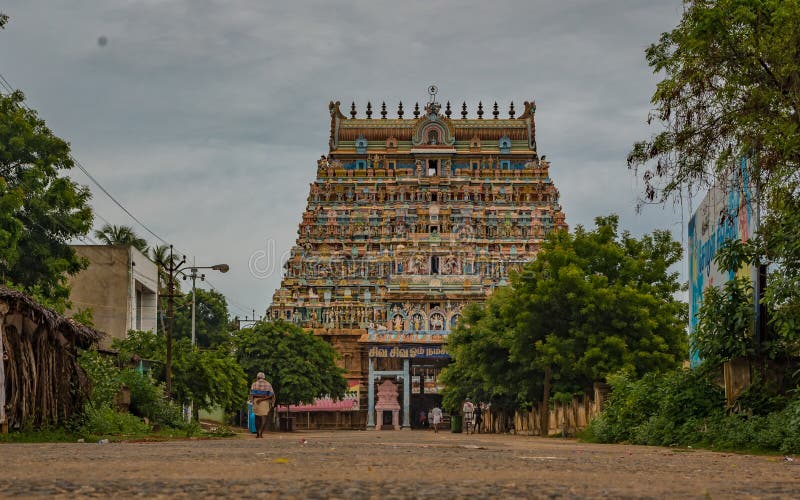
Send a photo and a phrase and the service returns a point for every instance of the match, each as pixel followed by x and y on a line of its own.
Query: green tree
pixel 42 209
pixel 482 367
pixel 211 378
pixel 111 234
pixel 731 90
pixel 591 304
pixel 299 365
pixel 211 318
pixel 725 322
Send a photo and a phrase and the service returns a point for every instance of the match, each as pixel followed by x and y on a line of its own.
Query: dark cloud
pixel 206 117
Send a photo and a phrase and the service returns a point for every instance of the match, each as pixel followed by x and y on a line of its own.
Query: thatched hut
pixel 41 382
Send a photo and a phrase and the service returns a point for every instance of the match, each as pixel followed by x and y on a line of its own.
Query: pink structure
pixel 387 400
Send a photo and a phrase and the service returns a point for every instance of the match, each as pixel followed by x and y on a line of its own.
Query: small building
pixel 40 380
pixel 120 286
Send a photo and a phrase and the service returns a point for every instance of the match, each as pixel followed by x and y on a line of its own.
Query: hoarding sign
pixel 726 213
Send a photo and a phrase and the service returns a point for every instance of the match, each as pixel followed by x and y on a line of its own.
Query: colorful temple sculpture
pixel 409 220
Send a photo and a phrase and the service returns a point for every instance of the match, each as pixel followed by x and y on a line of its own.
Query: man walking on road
pixel 262 396
pixel 436 417
pixel 468 411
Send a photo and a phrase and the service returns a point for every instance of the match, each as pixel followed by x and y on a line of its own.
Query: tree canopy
pixel 41 209
pixel 591 304
pixel 300 366
pixel 731 90
pixel 211 318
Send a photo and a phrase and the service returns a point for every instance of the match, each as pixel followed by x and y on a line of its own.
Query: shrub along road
pixel 388 464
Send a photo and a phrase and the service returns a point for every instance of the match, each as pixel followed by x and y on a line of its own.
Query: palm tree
pixel 160 255
pixel 111 234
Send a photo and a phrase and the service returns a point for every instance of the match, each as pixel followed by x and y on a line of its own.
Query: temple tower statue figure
pixel 409 220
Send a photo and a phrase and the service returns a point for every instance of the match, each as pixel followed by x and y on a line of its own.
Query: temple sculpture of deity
pixel 410 219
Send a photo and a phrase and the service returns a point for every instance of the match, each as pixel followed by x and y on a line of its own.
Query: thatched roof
pixel 82 335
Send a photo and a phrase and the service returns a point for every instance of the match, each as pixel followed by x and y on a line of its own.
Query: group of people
pixel 471 413
pixel 473 416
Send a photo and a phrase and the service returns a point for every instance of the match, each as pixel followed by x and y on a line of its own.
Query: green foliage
pixel 725 322
pixel 56 435
pixel 111 234
pixel 591 304
pixel 211 318
pixel 685 408
pixel 657 408
pixel 209 377
pixel 483 369
pixel 84 317
pixel 731 90
pixel 41 209
pixel 104 375
pixel 299 365
pixel 107 421
pixel 100 416
pixel 781 243
pixel 148 400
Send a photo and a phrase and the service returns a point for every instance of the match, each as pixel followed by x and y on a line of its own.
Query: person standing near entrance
pixel 436 418
pixel 478 417
pixel 468 410
pixel 262 396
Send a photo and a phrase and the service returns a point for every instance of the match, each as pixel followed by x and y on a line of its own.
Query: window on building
pixel 433 167
pixel 435 265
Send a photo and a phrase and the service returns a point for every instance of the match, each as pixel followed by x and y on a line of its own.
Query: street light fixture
pixel 174 268
pixel 223 268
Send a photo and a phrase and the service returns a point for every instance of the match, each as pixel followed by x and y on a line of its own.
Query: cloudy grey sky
pixel 205 118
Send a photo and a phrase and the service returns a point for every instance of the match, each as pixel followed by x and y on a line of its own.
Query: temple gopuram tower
pixel 410 219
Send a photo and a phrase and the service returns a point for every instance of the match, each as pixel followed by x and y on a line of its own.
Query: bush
pixel 100 415
pixel 658 409
pixel 105 421
pixel 686 408
pixel 104 376
pixel 148 400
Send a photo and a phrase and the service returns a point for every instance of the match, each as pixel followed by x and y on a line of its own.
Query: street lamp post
pixel 223 268
pixel 174 269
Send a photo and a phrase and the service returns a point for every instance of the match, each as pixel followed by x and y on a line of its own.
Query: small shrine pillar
pixel 371 396
pixel 406 395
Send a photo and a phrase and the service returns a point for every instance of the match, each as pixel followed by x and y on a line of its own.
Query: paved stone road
pixel 388 465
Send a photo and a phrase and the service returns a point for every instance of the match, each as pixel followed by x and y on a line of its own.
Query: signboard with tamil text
pixel 409 351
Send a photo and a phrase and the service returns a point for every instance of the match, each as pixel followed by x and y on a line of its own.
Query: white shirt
pixel 467 409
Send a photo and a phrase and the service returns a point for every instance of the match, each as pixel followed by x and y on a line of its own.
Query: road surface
pixel 388 464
